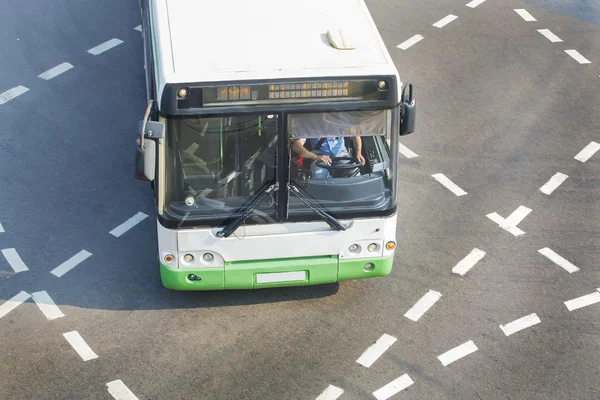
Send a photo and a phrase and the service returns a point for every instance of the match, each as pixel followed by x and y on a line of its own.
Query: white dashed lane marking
pixel 376 350
pixel 80 346
pixel 445 21
pixel 47 305
pixel 331 393
pixel 138 28
pixel 510 223
pixel 70 263
pixel 578 57
pixel 1 228
pixel 549 35
pixel 395 386
pixel 474 3
pixel 587 152
pixel 553 183
pixel 13 303
pixel 458 352
pixel 11 94
pixel 525 14
pixel 14 260
pixel 520 324
pixel 410 42
pixel 583 301
pixel 423 305
pixel 119 391
pixel 54 72
pixel 127 225
pixel 406 152
pixel 468 262
pixel 558 260
pixel 448 184
pixel 101 48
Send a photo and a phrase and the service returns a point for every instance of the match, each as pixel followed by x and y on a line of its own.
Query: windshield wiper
pixel 248 208
pixel 299 192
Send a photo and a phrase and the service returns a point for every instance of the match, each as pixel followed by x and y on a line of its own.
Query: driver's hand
pixel 324 159
pixel 360 159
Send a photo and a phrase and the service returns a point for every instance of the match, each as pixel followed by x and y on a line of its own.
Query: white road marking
pixel 54 72
pixel 445 21
pixel 13 303
pixel 516 217
pixel 393 387
pixel 458 352
pixel 10 94
pixel 47 305
pixel 587 152
pixel 553 183
pixel 14 260
pixel 127 225
pixel 560 261
pixel 474 3
pixel 578 57
pixel 549 35
pixel 583 301
pixel 424 304
pixel 70 263
pixel 451 186
pixel 520 324
pixel 406 152
pixel 409 42
pixel 1 228
pixel 376 350
pixel 331 393
pixel 500 221
pixel 525 14
pixel 119 391
pixel 101 48
pixel 138 28
pixel 80 346
pixel 468 262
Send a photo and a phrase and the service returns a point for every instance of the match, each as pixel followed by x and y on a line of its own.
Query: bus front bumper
pixel 275 273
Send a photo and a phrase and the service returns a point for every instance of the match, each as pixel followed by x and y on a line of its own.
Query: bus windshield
pixel 342 160
pixel 216 166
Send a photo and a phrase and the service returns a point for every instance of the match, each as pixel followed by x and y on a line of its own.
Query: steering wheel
pixel 339 167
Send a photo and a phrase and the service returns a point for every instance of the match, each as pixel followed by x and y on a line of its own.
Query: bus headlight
pixel 188 258
pixel 373 247
pixel 355 248
pixel 207 257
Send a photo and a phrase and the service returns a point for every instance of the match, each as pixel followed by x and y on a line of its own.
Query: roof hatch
pixel 341 39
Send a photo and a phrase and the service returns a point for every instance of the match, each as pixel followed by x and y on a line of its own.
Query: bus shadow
pixel 117 288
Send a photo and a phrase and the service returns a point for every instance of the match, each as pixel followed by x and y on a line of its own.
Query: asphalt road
pixel 502 110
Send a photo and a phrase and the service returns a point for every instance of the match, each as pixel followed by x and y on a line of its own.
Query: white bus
pixel 270 140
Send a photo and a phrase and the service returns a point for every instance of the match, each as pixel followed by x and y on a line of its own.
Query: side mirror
pixel 409 111
pixel 145 160
pixel 145 152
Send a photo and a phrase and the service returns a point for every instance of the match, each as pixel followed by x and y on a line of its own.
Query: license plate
pixel 281 277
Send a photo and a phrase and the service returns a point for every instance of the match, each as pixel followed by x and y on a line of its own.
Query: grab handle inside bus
pixel 409 111
pixel 145 154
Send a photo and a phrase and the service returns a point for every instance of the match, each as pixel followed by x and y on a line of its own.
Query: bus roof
pixel 237 40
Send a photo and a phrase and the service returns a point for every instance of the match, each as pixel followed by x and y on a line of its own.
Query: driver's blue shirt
pixel 332 146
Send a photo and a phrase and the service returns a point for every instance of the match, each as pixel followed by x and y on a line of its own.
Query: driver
pixel 324 149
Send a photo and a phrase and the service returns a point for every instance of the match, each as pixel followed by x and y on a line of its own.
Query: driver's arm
pixel 358 147
pixel 299 149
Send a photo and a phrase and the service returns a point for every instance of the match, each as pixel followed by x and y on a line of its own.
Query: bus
pixel 270 141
